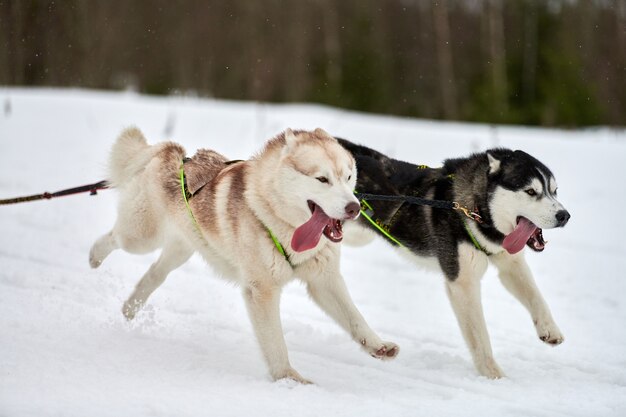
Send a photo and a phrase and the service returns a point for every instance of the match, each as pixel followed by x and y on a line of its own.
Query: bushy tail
pixel 129 156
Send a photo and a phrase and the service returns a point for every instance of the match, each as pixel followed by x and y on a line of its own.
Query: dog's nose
pixel 562 217
pixel 352 210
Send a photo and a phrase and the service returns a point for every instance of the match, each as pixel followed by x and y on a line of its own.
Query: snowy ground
pixel 66 350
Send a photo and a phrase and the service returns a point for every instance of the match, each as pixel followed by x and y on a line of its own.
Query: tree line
pixel 537 62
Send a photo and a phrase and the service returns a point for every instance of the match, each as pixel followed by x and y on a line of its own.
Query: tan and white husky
pixel 258 222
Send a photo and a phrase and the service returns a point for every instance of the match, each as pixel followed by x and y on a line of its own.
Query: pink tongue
pixel 308 235
pixel 515 241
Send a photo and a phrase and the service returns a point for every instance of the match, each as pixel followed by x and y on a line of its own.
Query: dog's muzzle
pixel 562 217
pixel 352 211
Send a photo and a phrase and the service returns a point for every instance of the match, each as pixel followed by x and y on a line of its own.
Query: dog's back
pixel 514 196
pixel 148 178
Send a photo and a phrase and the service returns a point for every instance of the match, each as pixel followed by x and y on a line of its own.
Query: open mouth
pixel 535 241
pixel 332 229
pixel 525 233
pixel 308 235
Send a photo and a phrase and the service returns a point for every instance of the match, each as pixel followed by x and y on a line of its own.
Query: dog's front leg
pixel 465 297
pixel 263 304
pixel 517 278
pixel 329 291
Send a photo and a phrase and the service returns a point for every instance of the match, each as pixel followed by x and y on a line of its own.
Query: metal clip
pixel 470 214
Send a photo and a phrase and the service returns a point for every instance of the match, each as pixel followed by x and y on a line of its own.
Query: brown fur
pixel 233 207
pixel 202 168
pixel 236 193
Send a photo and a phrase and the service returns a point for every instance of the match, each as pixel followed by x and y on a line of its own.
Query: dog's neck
pixel 261 196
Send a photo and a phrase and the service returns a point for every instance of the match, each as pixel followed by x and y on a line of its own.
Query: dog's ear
pixel 290 138
pixel 494 164
pixel 322 133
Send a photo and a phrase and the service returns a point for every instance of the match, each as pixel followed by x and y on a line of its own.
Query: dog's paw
pixel 490 369
pixel 384 350
pixel 94 261
pixel 550 334
pixel 130 309
pixel 553 339
pixel 291 374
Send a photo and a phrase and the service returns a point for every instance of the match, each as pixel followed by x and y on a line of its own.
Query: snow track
pixel 65 348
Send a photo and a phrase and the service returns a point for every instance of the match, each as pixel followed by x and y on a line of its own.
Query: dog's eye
pixel 349 177
pixel 531 192
pixel 323 180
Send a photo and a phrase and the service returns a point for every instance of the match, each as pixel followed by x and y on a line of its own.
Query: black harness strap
pixel 368 212
pixel 234 161
pixel 408 199
pixel 91 188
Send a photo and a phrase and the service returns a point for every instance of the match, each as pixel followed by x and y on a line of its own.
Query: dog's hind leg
pixel 101 249
pixel 329 291
pixel 174 254
pixel 517 278
pixel 465 297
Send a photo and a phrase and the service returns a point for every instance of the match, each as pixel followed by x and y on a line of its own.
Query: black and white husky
pixel 515 196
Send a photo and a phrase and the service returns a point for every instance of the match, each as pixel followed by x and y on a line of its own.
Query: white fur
pixel 494 164
pixel 288 184
pixel 506 205
pixel 357 235
pixel 464 292
pixel 238 246
pixel 465 296
pixel 517 278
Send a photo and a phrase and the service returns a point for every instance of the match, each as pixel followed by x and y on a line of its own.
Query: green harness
pixel 278 246
pixel 187 195
pixel 368 212
pixel 473 238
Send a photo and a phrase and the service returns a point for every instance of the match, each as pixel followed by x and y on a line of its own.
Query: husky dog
pixel 515 196
pixel 236 215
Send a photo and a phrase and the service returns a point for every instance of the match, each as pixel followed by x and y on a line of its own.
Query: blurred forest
pixel 552 62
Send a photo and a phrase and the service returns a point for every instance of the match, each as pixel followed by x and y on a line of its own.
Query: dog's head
pixel 522 199
pixel 316 179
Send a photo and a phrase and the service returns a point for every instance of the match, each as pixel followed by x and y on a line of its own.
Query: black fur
pixel 431 231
